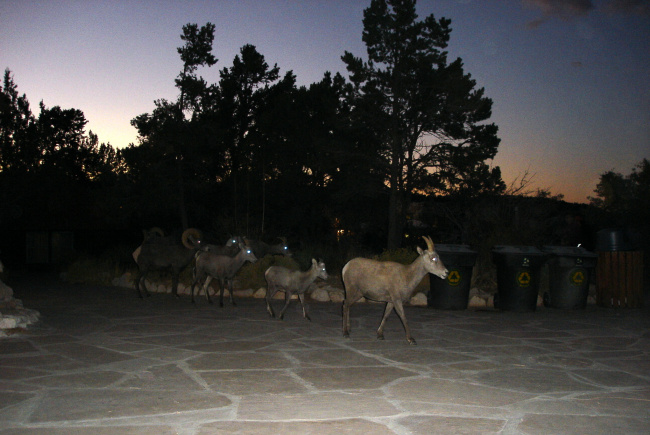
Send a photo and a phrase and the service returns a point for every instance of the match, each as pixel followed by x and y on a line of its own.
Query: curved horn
pixel 190 237
pixel 429 243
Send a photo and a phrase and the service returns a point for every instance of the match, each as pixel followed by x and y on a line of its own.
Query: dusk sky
pixel 570 79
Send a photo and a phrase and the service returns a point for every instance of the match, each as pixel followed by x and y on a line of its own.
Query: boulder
pixel 246 293
pixel 320 295
pixel 477 302
pixel 336 295
pixel 8 322
pixel 419 299
pixel 6 292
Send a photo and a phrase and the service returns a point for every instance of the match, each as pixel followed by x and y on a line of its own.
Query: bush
pixel 100 270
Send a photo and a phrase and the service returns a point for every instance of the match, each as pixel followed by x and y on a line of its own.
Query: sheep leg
pixel 230 292
pixel 175 274
pixel 301 297
pixel 400 312
pixel 287 300
pixel 351 296
pixel 222 284
pixel 194 282
pixel 346 316
pixel 270 291
pixel 206 288
pixel 140 281
pixel 387 311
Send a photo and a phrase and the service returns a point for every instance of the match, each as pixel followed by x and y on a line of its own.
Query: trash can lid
pixel 569 251
pixel 518 250
pixel 456 249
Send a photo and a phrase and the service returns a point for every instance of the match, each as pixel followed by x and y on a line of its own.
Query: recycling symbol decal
pixel 577 277
pixel 523 278
pixel 453 278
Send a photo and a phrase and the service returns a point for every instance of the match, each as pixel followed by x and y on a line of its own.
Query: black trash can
pixel 569 274
pixel 452 293
pixel 518 276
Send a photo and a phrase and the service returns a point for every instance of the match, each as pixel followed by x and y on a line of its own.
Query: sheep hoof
pixel 308 318
pixel 380 336
pixel 412 342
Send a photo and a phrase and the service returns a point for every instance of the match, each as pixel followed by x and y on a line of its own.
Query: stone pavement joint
pixel 102 361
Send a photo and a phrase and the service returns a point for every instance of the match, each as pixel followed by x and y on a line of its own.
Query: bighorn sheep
pixel 158 254
pixel 387 281
pixel 155 234
pixel 291 282
pixel 262 249
pixel 231 248
pixel 222 267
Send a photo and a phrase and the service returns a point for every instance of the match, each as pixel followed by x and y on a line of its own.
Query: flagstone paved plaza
pixel 102 361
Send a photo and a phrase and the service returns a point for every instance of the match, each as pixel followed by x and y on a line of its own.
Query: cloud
pixel 563 9
pixel 636 7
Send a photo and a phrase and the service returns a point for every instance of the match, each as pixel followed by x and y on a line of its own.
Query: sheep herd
pixel 380 281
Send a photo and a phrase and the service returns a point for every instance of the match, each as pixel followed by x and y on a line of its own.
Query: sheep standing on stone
pixel 291 282
pixel 161 253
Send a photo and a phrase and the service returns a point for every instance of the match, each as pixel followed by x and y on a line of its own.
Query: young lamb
pixel 291 282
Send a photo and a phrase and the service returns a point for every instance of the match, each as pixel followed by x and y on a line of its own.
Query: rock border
pixel 323 292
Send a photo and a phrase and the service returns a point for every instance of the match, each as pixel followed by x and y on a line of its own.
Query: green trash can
pixel 518 277
pixel 452 293
pixel 569 274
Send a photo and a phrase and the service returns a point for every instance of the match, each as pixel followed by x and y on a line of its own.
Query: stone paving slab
pixel 102 361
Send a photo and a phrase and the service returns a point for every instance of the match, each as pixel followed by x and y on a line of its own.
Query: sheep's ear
pixel 313 261
pixel 420 251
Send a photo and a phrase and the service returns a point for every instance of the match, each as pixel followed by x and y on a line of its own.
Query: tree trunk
pixel 394 230
pixel 395 226
pixel 181 197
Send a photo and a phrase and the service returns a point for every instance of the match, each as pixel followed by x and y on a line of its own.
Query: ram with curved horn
pixel 156 253
pixel 389 282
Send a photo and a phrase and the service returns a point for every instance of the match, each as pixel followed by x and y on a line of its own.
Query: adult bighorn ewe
pixel 231 248
pixel 387 281
pixel 291 282
pixel 163 252
pixel 222 267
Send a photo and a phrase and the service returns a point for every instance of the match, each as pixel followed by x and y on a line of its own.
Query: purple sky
pixel 569 78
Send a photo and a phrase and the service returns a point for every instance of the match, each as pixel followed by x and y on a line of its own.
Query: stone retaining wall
pixel 320 291
pixel 12 313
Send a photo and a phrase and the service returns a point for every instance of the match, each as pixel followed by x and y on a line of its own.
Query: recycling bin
pixel 569 270
pixel 518 277
pixel 452 293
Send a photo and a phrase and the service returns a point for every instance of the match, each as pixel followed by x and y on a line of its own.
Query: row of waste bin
pixel 518 277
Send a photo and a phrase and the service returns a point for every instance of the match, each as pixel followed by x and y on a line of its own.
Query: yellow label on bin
pixel 454 277
pixel 523 279
pixel 577 277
